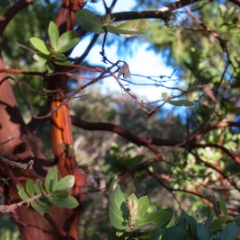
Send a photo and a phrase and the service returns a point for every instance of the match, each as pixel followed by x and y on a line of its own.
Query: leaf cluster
pixel 58 45
pixel 53 192
pixel 131 220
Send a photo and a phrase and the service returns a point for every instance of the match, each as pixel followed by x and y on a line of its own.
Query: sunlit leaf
pixel 40 45
pixel 69 45
pixel 139 25
pixel 118 211
pixel 53 34
pixel 121 31
pixel 65 183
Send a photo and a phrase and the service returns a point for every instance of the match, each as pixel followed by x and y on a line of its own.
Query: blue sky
pixel 142 61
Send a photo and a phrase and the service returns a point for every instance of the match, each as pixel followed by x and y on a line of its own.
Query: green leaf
pixel 4 3
pixel 59 193
pixel 95 236
pixel 39 208
pixel 202 232
pixel 181 103
pixel 146 227
pixel 38 187
pixel 185 219
pixel 120 31
pixel 30 187
pixel 215 206
pixel 133 197
pixel 68 202
pixel 156 234
pixel 139 25
pixel 53 34
pixel 230 232
pixel 62 63
pixel 71 43
pixel 223 207
pixel 114 234
pixel 89 22
pixel 51 179
pixel 21 192
pixel 40 57
pixel 143 205
pixel 118 211
pixel 40 45
pixel 161 218
pixel 65 183
pixel 59 56
pixel 165 96
pixel 50 67
pixel 217 224
pixel 175 233
pixel 43 202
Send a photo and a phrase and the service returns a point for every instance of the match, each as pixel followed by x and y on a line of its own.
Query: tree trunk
pixel 20 145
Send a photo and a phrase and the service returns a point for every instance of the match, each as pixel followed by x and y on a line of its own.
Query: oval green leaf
pixel 118 212
pixel 230 232
pixel 60 193
pixel 68 202
pixel 185 103
pixel 39 208
pixel 161 218
pixel 40 57
pixel 40 45
pixel 63 63
pixel 65 183
pixel 143 205
pixel 139 25
pixel 22 193
pixel 218 223
pixel 146 227
pixel 69 45
pixel 65 38
pixel 30 187
pixel 53 34
pixel 122 32
pixel 51 179
pixel 89 21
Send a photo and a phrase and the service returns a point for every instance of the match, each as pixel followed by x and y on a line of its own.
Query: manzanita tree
pixel 46 204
